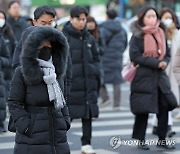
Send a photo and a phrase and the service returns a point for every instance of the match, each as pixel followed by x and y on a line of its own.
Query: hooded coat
pixel 39 127
pixel 86 72
pixel 149 80
pixel 116 42
pixel 16 61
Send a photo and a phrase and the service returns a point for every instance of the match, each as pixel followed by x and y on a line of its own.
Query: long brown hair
pixel 95 31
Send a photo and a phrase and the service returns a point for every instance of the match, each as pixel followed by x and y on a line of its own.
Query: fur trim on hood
pixel 136 29
pixel 30 66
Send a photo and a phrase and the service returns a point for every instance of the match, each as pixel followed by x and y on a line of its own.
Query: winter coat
pixel 86 72
pixel 10 44
pixel 169 69
pixel 40 128
pixel 176 62
pixel 149 79
pixel 116 42
pixel 4 64
pixel 16 61
pixel 17 26
pixel 102 47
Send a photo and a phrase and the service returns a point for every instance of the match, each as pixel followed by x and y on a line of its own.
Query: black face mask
pixel 45 53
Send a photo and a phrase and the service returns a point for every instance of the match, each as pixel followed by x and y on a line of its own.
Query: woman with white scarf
pixel 36 101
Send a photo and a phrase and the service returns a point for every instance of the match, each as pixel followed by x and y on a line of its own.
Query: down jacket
pixel 116 42
pixel 40 128
pixel 148 79
pixel 4 64
pixel 86 73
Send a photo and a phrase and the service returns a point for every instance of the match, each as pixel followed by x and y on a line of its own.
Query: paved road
pixel 110 126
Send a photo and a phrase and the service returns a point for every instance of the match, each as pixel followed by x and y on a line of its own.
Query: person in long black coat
pixel 150 88
pixel 4 64
pixel 40 114
pixel 86 73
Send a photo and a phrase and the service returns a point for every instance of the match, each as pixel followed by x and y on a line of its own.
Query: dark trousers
pixel 140 125
pixel 87 131
pixel 116 94
pixel 1 124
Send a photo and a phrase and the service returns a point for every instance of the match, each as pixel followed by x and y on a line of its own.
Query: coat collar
pixel 73 32
pixel 136 29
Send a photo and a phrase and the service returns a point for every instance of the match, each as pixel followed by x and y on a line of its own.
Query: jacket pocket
pixel 29 129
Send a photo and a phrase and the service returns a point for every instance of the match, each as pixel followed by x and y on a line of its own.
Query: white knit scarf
pixel 54 90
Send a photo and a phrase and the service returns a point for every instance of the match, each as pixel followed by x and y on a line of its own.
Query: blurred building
pixel 129 8
pixel 126 8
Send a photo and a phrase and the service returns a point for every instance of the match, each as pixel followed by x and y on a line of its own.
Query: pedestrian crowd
pixel 49 77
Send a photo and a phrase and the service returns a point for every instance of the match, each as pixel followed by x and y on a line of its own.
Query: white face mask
pixel 2 22
pixel 53 24
pixel 168 22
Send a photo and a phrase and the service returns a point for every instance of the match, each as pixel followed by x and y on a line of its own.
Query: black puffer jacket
pixel 40 128
pixel 86 72
pixel 4 64
pixel 149 79
pixel 116 42
pixel 10 44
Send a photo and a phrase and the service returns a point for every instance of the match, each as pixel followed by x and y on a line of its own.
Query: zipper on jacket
pixel 84 45
pixel 87 113
pixel 52 128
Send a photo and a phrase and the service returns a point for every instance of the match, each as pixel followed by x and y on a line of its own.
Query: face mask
pixel 2 22
pixel 167 22
pixel 53 24
pixel 45 53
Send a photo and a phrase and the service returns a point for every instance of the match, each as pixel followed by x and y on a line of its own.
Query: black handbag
pixel 11 125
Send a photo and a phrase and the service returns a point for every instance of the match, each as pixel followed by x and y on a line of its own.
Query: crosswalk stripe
pixel 121 132
pixel 174 152
pixel 98 151
pixel 10 145
pixel 119 122
pixel 110 108
pixel 104 123
pixel 99 123
pixel 6 145
pixel 115 114
pixel 7 134
pixel 102 133
pixel 107 123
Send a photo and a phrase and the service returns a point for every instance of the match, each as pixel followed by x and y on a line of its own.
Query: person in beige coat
pixel 176 64
pixel 176 67
pixel 168 18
